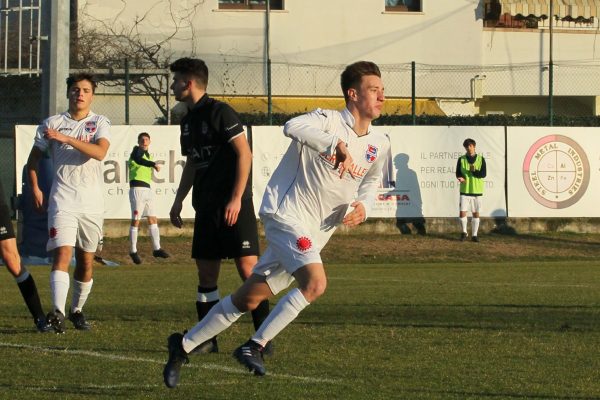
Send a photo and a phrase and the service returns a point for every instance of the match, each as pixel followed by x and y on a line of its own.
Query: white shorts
pixel 141 200
pixel 470 203
pixel 83 231
pixel 290 247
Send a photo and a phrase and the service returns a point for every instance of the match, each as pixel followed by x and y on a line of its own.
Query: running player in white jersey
pixel 328 176
pixel 77 141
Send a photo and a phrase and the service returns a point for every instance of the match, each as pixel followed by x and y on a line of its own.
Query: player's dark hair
pixel 192 67
pixel 83 76
pixel 468 142
pixel 353 74
pixel 143 134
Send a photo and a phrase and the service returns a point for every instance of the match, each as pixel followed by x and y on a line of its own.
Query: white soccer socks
pixel 463 223
pixel 133 238
pixel 59 288
pixel 81 291
pixel 286 310
pixel 219 318
pixel 155 236
pixel 474 226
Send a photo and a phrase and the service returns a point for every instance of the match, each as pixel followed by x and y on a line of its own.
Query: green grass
pixel 519 330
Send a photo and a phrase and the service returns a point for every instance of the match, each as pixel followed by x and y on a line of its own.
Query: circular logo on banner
pixel 556 171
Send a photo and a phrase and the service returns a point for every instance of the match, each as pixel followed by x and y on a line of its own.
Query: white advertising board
pixel 553 171
pixel 164 148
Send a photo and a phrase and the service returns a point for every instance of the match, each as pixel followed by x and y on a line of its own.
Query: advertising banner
pixel 164 148
pixel 553 171
pixel 419 179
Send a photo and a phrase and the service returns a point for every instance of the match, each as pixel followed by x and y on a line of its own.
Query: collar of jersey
pixel 68 115
pixel 350 121
pixel 202 101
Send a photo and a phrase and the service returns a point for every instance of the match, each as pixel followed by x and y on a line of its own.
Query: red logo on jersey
pixel 135 212
pixel 303 243
pixel 52 232
pixel 371 154
pixel 90 127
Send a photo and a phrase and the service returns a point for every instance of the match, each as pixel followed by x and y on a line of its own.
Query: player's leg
pixel 475 220
pixel 462 216
pixel 157 250
pixel 89 234
pixel 136 214
pixel 25 282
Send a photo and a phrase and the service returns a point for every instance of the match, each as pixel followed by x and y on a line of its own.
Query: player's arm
pixel 33 162
pixel 137 155
pixel 459 174
pixel 185 184
pixel 482 172
pixel 311 129
pixel 95 150
pixel 242 172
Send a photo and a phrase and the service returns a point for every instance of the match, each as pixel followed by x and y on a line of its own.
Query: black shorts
pixel 214 240
pixel 6 228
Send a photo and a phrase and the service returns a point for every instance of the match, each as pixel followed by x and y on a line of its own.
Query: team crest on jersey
pixel 371 154
pixel 90 126
pixel 204 128
pixel 303 243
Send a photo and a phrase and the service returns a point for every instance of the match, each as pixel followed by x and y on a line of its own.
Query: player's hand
pixel 39 205
pixel 53 134
pixel 157 167
pixel 356 216
pixel 461 179
pixel 232 211
pixel 343 160
pixel 175 215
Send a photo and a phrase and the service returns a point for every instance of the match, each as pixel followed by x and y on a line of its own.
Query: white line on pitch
pixel 533 284
pixel 117 357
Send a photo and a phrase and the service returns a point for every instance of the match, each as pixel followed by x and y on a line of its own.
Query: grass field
pixel 404 329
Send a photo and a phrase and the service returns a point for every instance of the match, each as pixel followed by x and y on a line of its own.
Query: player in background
pixel 12 260
pixel 470 171
pixel 328 176
pixel 218 162
pixel 77 142
pixel 141 197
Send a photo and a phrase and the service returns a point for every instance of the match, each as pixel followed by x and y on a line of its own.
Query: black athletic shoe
pixel 177 357
pixel 135 258
pixel 42 325
pixel 269 349
pixel 463 236
pixel 475 239
pixel 160 253
pixel 250 354
pixel 79 322
pixel 57 320
pixel 210 346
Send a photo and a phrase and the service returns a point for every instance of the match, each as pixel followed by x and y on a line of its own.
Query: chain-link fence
pixel 142 97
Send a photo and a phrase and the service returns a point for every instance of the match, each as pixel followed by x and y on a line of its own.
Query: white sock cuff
pixel 230 311
pixel 133 228
pixel 297 299
pixel 208 297
pixel 23 276
pixel 83 284
pixel 59 276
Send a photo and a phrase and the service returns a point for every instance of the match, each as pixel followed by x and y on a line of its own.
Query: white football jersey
pixel 78 180
pixel 305 188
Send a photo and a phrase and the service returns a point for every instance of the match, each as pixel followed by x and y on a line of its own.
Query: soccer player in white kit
pixel 327 177
pixel 77 141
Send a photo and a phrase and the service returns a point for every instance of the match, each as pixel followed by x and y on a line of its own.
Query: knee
pixel 314 289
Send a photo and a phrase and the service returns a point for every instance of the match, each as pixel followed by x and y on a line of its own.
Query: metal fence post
pixel 126 91
pixel 413 94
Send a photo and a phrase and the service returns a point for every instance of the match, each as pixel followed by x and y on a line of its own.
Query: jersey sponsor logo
pixel 245 244
pixel 303 243
pixel 90 126
pixel 231 127
pixel 62 130
pixel 52 232
pixel 3 230
pixel 371 154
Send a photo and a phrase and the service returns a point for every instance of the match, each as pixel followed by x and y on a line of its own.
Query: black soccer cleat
pixel 210 346
pixel 79 322
pixel 475 239
pixel 269 349
pixel 135 258
pixel 463 236
pixel 177 357
pixel 56 319
pixel 160 253
pixel 250 354
pixel 42 325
